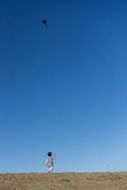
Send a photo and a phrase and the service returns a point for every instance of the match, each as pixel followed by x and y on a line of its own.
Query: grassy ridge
pixel 64 181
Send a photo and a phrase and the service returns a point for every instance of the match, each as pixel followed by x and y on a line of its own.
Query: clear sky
pixel 63 89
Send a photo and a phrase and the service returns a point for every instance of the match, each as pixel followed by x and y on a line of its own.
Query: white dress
pixel 49 163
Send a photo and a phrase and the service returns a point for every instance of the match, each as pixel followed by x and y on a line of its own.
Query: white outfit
pixel 49 163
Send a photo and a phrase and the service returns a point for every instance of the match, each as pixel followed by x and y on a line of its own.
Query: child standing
pixel 49 162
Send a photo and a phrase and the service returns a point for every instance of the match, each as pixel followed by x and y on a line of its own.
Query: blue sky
pixel 63 89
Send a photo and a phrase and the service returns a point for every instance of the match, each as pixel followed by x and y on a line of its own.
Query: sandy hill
pixel 64 181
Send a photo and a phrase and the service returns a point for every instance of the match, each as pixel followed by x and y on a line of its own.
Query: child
pixel 49 162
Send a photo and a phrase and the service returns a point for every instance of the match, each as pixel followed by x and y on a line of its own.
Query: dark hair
pixel 49 154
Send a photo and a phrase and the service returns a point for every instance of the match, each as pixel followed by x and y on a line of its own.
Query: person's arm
pixel 46 162
pixel 54 156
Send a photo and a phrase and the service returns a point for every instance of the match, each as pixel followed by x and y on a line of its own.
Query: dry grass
pixel 64 181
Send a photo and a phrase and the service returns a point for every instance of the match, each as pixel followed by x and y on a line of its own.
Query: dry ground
pixel 64 181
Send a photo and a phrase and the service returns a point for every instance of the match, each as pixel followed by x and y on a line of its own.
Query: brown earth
pixel 64 181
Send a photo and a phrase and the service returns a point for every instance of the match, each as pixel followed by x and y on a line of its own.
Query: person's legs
pixel 50 169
